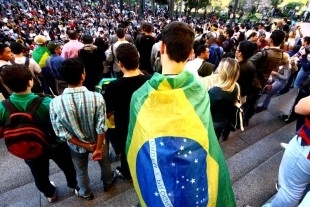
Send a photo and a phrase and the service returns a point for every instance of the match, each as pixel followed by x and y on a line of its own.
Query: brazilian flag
pixel 40 55
pixel 172 150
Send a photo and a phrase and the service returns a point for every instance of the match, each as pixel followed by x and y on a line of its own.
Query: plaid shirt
pixel 78 113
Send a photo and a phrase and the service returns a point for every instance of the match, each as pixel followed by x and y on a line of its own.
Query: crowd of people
pixel 70 46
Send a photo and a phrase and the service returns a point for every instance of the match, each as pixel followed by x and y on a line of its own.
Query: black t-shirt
pixel 144 46
pixel 92 59
pixel 221 103
pixel 117 97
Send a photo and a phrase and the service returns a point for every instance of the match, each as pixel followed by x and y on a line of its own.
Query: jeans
pixel 276 86
pixel 40 169
pixel 80 161
pixel 294 174
pixel 301 76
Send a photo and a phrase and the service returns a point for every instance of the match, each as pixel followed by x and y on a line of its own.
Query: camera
pixel 307 50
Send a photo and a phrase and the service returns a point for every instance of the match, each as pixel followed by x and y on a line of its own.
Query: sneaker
pixel 54 197
pixel 73 189
pixel 88 197
pixel 120 175
pixel 283 145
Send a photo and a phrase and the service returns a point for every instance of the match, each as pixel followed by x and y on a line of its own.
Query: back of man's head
pixel 120 33
pixel 307 40
pixel 201 49
pixel 87 39
pixel 16 48
pixel 71 70
pixel 277 37
pixel 128 54
pixel 72 35
pixel 179 40
pixel 148 28
pixel 16 77
pixel 211 40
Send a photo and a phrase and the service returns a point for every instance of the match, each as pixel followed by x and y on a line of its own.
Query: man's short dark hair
pixel 2 47
pixel 307 39
pixel 128 54
pixel 247 49
pixel 73 35
pixel 120 32
pixel 16 77
pixel 230 32
pixel 71 70
pixel 148 27
pixel 277 37
pixel 87 39
pixel 179 40
pixel 200 49
pixel 16 48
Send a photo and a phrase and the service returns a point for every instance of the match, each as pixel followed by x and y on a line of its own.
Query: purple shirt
pixel 71 48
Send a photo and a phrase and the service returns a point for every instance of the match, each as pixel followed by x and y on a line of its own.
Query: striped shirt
pixel 78 113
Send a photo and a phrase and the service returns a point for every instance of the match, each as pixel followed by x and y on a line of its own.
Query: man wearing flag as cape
pixel 173 154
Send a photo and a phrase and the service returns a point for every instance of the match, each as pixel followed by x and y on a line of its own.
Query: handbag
pixel 237 118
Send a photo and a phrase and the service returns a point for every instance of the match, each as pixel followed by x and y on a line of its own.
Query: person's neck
pixel 200 57
pixel 27 91
pixel 19 55
pixel 240 59
pixel 130 73
pixel 170 67
pixel 75 86
pixel 121 39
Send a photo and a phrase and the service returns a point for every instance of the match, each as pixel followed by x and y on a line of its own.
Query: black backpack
pixel 24 134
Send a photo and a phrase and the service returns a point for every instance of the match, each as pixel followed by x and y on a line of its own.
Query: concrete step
pixel 253 158
pixel 257 186
pixel 254 155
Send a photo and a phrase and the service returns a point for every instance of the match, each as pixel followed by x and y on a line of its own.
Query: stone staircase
pixel 253 158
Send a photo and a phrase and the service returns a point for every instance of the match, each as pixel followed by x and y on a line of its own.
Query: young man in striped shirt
pixel 78 116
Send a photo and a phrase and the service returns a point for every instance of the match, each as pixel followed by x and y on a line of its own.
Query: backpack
pixel 23 134
pixel 205 69
pixel 157 67
pixel 215 56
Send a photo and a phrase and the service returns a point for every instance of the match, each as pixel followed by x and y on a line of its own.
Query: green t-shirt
pixel 21 102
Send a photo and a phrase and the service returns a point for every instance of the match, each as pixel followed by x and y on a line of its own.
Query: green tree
pixel 195 4
pixel 275 3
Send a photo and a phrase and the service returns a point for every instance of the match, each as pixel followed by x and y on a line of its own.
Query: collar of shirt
pixel 75 89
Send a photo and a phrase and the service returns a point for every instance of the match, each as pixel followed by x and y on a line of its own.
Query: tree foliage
pixel 196 4
pixel 275 3
pixel 161 1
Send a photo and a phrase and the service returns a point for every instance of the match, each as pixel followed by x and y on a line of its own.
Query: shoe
pixel 108 187
pixel 54 197
pixel 283 145
pixel 120 175
pixel 88 197
pixel 73 189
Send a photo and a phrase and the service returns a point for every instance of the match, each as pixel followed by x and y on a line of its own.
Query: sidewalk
pixel 18 189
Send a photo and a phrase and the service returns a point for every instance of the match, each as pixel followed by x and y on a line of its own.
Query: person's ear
pixel 121 65
pixel 162 47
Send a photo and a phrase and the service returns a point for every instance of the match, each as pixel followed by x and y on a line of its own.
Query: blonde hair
pixel 228 72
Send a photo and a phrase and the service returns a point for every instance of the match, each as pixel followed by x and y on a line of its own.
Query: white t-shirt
pixel 33 65
pixel 193 66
